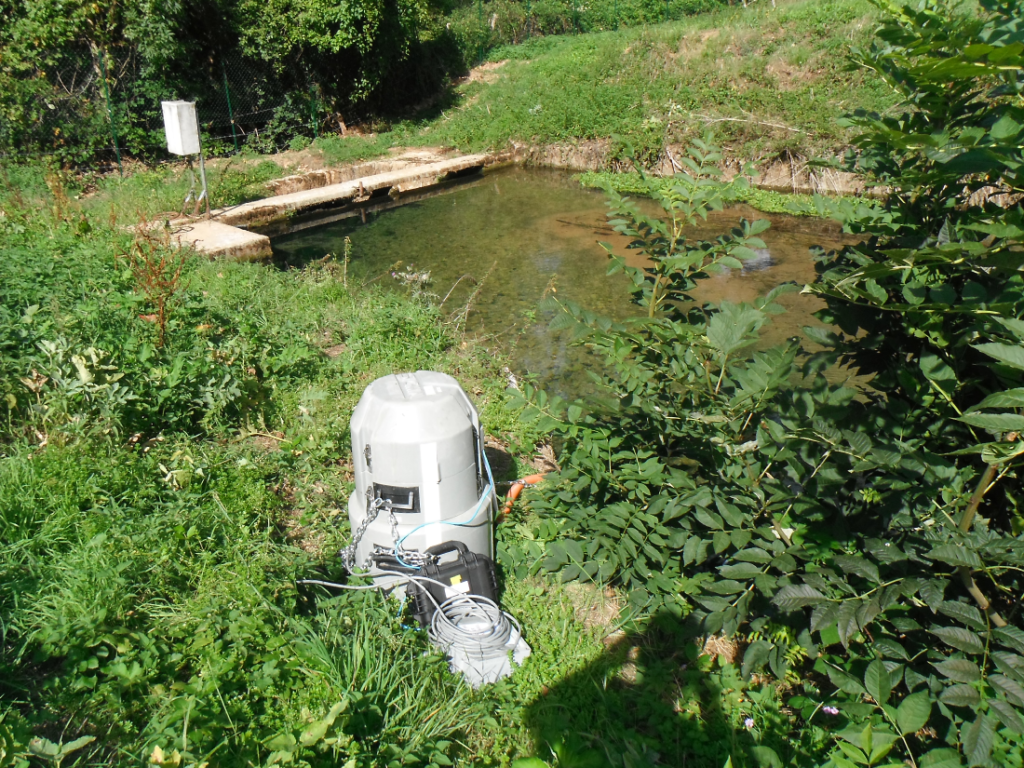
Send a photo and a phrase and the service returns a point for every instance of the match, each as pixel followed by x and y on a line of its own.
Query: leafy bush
pixel 865 537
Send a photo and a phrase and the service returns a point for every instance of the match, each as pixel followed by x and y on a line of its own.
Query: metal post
pixel 666 10
pixel 202 170
pixel 231 114
pixel 110 111
pixel 313 110
pixel 480 15
pixel 529 30
pixel 202 178
pixel 616 13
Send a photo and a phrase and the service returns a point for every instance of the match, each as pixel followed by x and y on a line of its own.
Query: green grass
pixel 763 200
pixel 149 192
pixel 765 80
pixel 156 511
pixel 340 150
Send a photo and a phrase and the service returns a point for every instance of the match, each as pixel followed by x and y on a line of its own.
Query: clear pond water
pixel 515 234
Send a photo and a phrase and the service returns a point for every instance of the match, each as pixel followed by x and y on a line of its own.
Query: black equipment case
pixel 469 573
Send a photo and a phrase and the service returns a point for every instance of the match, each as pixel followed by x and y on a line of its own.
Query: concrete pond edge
pixel 242 232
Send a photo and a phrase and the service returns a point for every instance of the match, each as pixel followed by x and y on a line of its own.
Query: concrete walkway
pixel 221 236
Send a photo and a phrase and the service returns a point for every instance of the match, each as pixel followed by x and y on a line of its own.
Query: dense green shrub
pixel 865 537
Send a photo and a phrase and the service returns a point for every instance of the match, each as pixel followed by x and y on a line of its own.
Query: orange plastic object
pixel 516 489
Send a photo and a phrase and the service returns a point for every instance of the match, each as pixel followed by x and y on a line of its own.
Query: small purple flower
pixel 830 710
pixel 748 723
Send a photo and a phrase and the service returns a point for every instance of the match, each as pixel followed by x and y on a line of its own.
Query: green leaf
pixel 314 733
pixel 724 587
pixel 960 695
pixel 959 670
pixel 1010 398
pixel 1012 324
pixel 709 519
pixel 1005 353
pixel 1011 637
pixel 961 639
pixel 739 571
pixel 1007 715
pixel 931 592
pixel 977 739
pixel 845 682
pixel 890 648
pixel 796 596
pixel 43 747
pixel 721 541
pixel 876 291
pixel 935 369
pixel 529 762
pixel 941 758
pixel 954 554
pixel 573 550
pixel 857 757
pixel 733 326
pixel 1005 128
pixel 913 712
pixel 997 422
pixel 766 757
pixel 318 730
pixel 859 566
pixel 73 746
pixel 964 613
pixel 755 657
pixel 690 549
pixel 877 681
pixel 1009 688
pixel 753 555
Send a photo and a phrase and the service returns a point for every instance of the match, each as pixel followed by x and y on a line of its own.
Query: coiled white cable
pixel 475 626
pixel 472 630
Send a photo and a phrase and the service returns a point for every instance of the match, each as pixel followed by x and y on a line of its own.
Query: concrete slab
pixel 218 240
pixel 222 236
pixel 268 210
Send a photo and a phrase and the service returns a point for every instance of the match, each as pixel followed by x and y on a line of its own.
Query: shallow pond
pixel 515 234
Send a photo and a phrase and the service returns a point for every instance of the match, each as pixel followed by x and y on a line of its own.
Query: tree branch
pixel 965 526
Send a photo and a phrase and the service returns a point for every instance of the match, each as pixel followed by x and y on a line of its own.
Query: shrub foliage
pixel 863 536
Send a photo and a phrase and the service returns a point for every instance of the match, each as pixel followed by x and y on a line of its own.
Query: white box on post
pixel 181 127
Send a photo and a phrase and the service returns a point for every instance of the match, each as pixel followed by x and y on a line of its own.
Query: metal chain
pixel 348 554
pixel 410 557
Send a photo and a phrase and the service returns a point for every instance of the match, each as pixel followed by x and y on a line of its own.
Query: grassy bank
pixel 765 79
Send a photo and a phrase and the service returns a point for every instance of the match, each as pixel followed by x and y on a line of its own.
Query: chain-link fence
pixel 97 108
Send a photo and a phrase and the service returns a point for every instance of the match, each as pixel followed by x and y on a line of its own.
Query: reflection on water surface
pixel 532 230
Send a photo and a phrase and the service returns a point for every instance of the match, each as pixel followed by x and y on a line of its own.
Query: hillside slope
pixel 768 81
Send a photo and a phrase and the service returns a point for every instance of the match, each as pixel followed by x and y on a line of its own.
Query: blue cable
pixel 479 506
